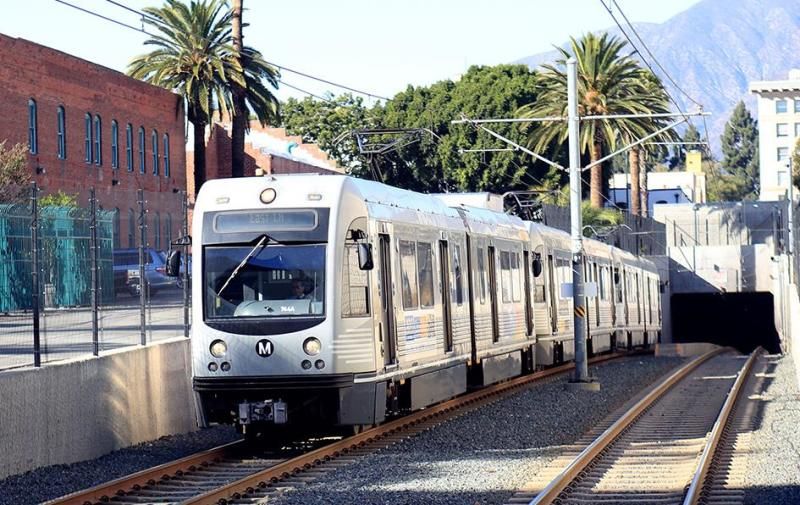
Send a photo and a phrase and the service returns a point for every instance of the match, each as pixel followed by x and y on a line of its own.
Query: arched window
pixel 61 139
pixel 166 155
pixel 141 150
pixel 33 135
pixel 117 238
pixel 131 228
pixel 157 231
pixel 87 142
pixel 129 147
pixel 168 229
pixel 154 143
pixel 98 140
pixel 114 144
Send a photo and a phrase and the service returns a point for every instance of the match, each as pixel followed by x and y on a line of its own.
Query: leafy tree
pixel 194 57
pixel 59 199
pixel 328 123
pixel 608 83
pixel 435 162
pixel 439 163
pixel 720 185
pixel 14 173
pixel 740 151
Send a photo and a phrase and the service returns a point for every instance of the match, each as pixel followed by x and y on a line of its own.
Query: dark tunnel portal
pixel 740 320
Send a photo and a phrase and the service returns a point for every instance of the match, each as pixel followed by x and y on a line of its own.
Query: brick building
pixel 89 126
pixel 268 149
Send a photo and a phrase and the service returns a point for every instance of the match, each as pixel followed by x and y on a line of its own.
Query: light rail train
pixel 339 301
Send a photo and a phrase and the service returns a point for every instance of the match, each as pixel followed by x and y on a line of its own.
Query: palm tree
pixel 194 57
pixel 608 83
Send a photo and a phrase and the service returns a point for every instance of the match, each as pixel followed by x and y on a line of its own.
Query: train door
pixel 447 316
pixel 639 297
pixel 388 331
pixel 551 274
pixel 597 274
pixel 526 266
pixel 493 294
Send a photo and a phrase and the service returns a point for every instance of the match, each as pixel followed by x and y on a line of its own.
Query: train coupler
pixel 274 411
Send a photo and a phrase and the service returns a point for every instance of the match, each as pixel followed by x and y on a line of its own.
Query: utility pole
pixel 581 379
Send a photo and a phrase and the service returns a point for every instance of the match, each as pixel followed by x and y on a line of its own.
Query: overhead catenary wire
pixel 282 67
pixel 144 15
pixel 655 60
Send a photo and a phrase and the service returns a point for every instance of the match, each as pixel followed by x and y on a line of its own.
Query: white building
pixel 778 130
pixel 662 187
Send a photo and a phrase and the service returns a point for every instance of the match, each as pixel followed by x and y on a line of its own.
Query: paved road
pixel 67 333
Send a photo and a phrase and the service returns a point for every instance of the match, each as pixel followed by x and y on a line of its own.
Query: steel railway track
pixel 660 450
pixel 235 474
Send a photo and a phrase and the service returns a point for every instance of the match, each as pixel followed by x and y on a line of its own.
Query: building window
pixel 114 144
pixel 783 153
pixel 782 179
pixel 166 155
pixel 797 106
pixel 98 140
pixel 780 106
pixel 783 129
pixel 154 143
pixel 141 150
pixel 61 132
pixel 129 147
pixel 33 136
pixel 87 143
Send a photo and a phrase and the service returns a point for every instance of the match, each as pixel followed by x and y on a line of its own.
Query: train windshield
pixel 271 281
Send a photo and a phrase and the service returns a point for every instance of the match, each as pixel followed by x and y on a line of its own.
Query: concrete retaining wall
pixel 81 409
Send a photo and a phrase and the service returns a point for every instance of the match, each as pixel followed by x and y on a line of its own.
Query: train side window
pixel 505 275
pixel 355 282
pixel 617 285
pixel 459 274
pixel 481 276
pixel 425 265
pixel 563 269
pixel 601 283
pixel 515 289
pixel 408 274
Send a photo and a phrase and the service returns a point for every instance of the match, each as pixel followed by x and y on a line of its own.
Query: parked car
pixel 126 271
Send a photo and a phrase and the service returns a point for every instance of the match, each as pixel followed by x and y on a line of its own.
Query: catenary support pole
pixel 142 278
pixel 185 254
pixel 35 288
pixel 94 266
pixel 581 377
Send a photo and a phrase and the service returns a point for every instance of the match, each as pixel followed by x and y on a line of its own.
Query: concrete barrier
pixel 84 408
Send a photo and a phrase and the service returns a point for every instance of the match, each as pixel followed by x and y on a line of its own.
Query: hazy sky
pixel 376 46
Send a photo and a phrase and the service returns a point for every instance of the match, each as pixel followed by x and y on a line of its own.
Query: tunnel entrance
pixel 740 320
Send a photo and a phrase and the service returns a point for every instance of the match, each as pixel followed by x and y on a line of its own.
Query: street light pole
pixel 581 378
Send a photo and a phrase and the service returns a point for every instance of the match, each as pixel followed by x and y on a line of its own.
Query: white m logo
pixel 264 348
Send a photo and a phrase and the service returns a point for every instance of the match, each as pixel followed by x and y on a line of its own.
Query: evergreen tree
pixel 740 151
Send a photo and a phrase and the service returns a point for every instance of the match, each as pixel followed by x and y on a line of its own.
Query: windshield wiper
pixel 261 243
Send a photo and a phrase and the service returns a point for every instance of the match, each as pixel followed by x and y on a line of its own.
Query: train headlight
pixel 312 346
pixel 268 195
pixel 218 348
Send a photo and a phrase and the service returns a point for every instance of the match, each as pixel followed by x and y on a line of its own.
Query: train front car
pixel 266 252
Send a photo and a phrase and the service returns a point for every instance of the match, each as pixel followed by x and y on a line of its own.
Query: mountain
pixel 714 49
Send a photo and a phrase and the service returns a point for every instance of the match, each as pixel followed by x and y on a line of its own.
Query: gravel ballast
pixel 773 466
pixel 484 456
pixel 52 482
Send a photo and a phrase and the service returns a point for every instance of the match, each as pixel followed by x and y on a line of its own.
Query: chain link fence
pixel 71 283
